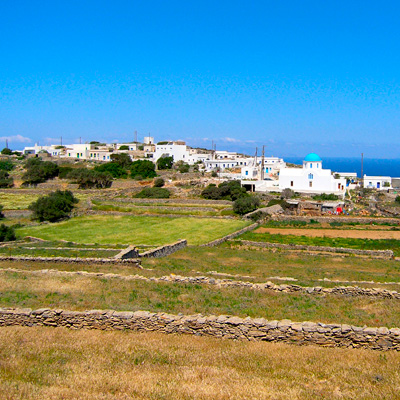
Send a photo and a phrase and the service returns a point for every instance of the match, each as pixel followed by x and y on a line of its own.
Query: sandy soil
pixel 332 233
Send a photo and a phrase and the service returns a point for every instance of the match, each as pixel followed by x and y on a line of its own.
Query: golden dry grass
pixel 48 363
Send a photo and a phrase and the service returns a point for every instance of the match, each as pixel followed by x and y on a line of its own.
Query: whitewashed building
pixel 377 182
pixel 312 178
pixel 272 166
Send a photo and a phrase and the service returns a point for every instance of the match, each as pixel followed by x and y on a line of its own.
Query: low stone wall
pixel 166 250
pixel 74 260
pixel 387 254
pixel 343 219
pixel 231 236
pixel 129 252
pixel 229 327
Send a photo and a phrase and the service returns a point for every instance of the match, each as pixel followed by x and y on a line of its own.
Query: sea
pixel 372 166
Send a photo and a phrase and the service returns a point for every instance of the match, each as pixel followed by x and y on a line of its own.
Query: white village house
pixel 377 182
pixel 312 178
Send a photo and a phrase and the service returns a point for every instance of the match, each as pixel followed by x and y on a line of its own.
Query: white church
pixel 312 178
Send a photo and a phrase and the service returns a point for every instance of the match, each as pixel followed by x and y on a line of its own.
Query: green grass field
pixel 363 244
pixel 134 229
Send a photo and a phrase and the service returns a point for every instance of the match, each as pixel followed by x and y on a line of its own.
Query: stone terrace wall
pixel 343 219
pixel 332 335
pixel 231 236
pixel 165 250
pixel 73 260
pixel 388 254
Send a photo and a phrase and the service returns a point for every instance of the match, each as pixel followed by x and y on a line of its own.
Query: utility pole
pixel 135 136
pixel 262 164
pixel 60 140
pixel 80 140
pixel 6 143
pixel 362 170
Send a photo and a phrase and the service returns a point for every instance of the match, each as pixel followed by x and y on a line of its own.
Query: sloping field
pixel 48 363
pixel 135 230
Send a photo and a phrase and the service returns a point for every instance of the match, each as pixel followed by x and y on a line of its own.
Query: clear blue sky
pixel 297 76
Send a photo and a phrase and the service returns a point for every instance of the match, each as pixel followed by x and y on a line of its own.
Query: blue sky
pixel 295 76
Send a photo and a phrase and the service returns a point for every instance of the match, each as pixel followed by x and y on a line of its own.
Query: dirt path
pixel 333 233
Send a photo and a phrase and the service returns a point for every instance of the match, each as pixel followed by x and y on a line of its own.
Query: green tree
pixel 6 165
pixel 159 182
pixel 144 168
pixel 244 205
pixel 53 207
pixel 122 159
pixel 6 151
pixel 397 199
pixel 7 233
pixel 2 216
pixel 89 178
pixel 38 171
pixel 6 181
pixel 124 147
pixel 113 168
pixel 165 162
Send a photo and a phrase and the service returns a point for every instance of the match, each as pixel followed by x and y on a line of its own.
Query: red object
pixel 339 210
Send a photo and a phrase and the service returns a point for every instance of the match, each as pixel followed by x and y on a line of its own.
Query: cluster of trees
pixel 53 207
pixel 228 190
pixel 38 171
pixel 6 181
pixel 7 233
pixel 232 190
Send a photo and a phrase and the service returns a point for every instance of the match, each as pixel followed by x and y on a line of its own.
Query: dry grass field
pixel 55 363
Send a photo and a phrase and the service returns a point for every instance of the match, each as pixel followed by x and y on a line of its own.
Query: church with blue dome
pixel 312 178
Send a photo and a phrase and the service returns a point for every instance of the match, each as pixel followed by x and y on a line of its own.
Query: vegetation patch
pixel 135 229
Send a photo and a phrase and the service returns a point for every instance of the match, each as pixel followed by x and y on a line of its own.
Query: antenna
pixel 362 170
pixel 262 164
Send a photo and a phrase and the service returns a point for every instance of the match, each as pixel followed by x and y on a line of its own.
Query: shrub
pixel 325 196
pixel 113 168
pixel 7 233
pixel 165 162
pixel 123 147
pixel 184 168
pixel 88 178
pixel 122 159
pixel 2 216
pixel 287 193
pixel 53 207
pixel 228 190
pixel 6 165
pixel 397 199
pixel 38 171
pixel 153 193
pixel 63 172
pixel 144 168
pixel 6 151
pixel 159 182
pixel 244 205
pixel 214 174
pixel 5 180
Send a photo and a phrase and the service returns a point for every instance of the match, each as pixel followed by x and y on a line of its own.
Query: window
pixel 291 183
pixel 310 184
pixel 310 176
pixel 310 165
pixel 247 172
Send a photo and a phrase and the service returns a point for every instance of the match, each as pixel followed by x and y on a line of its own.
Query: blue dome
pixel 312 157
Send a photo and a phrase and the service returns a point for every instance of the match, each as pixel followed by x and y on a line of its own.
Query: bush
pixel 287 193
pixel 5 180
pixel 214 174
pixel 325 196
pixel 144 168
pixel 88 178
pixel 159 182
pixel 244 205
pixel 184 168
pixel 63 172
pixel 397 199
pixel 6 151
pixel 122 159
pixel 38 171
pixel 123 147
pixel 7 233
pixel 53 207
pixel 228 190
pixel 113 168
pixel 2 216
pixel 153 193
pixel 6 165
pixel 165 162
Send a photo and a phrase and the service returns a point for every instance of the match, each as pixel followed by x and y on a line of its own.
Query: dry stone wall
pixel 388 254
pixel 343 219
pixel 166 250
pixel 222 326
